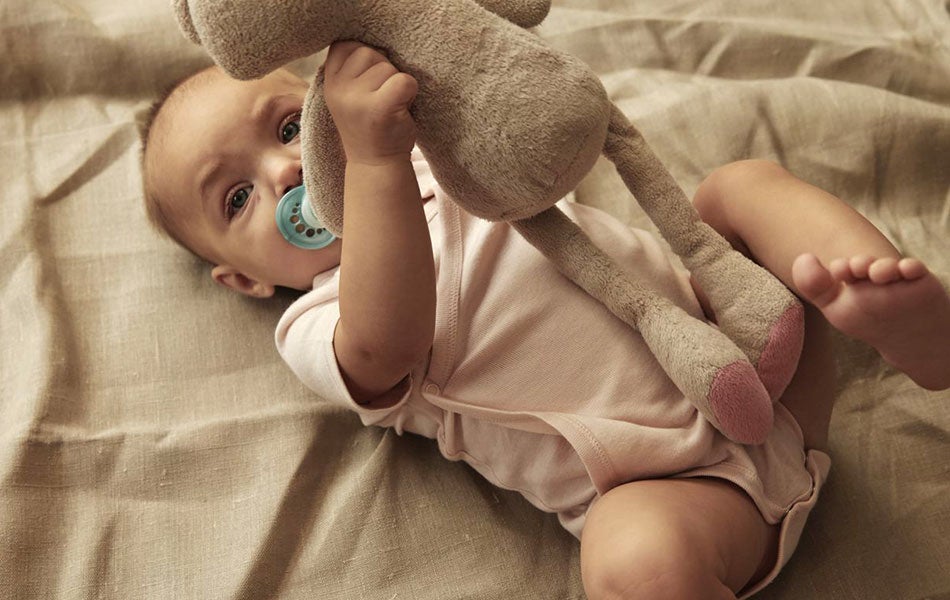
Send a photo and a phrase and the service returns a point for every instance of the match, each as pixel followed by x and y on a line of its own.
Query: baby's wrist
pixel 377 161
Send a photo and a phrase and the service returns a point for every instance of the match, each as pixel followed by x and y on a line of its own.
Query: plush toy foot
pixel 740 407
pixel 778 360
pixel 756 311
pixel 718 380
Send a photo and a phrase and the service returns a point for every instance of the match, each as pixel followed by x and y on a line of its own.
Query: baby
pixel 431 321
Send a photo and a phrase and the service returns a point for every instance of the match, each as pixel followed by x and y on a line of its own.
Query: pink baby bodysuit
pixel 540 388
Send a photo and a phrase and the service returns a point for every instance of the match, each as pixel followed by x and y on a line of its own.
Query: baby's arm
pixel 387 276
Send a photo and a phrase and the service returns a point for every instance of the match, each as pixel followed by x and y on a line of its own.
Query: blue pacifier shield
pixel 301 231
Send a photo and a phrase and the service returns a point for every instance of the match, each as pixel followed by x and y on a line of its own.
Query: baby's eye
pixel 290 128
pixel 236 201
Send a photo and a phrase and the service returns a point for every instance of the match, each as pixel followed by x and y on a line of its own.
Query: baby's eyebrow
pixel 207 175
pixel 267 107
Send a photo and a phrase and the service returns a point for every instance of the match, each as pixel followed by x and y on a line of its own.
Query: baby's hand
pixel 369 100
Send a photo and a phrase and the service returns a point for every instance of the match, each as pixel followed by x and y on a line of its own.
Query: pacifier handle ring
pixel 298 224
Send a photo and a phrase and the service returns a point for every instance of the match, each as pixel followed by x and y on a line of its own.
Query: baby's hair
pixel 158 218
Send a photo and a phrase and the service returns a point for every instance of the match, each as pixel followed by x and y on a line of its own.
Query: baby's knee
pixel 730 180
pixel 660 566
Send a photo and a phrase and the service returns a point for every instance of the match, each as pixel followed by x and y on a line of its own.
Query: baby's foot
pixel 896 306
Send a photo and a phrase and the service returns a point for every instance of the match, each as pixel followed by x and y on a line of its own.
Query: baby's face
pixel 225 153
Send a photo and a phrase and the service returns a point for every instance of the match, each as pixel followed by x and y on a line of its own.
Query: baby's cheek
pixel 262 239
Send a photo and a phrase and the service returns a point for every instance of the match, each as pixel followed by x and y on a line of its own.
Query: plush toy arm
pixel 323 159
pixel 524 13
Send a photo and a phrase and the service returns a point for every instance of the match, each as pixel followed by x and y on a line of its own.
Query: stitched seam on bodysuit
pixel 745 475
pixel 595 445
pixel 445 357
pixel 462 454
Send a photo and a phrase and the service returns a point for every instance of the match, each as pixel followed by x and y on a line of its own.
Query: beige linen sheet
pixel 153 445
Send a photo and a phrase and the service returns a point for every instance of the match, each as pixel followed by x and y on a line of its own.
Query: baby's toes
pixel 813 281
pixel 840 269
pixel 911 268
pixel 884 270
pixel 860 266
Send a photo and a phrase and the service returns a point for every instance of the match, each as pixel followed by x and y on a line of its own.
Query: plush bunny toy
pixel 509 126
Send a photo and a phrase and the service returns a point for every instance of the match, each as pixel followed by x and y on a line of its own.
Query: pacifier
pixel 298 224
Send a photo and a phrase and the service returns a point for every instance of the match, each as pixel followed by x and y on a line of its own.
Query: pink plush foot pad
pixel 779 359
pixel 740 404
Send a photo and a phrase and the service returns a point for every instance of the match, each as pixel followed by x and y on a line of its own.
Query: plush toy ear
pixel 524 13
pixel 187 26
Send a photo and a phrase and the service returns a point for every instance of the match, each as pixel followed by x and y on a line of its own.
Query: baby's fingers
pixel 350 60
pixel 360 61
pixel 376 76
pixel 399 90
pixel 337 55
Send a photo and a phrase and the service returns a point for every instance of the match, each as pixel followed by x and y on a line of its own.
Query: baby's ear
pixel 235 280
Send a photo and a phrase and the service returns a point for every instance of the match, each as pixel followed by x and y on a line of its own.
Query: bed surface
pixel 153 445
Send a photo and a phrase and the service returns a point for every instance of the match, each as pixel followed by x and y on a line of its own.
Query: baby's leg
pixel 700 538
pixel 675 538
pixel 842 264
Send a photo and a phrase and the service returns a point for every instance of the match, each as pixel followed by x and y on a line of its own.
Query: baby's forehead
pixel 213 83
pixel 206 108
pixel 201 87
pixel 215 79
pixel 202 102
pixel 179 141
pixel 179 102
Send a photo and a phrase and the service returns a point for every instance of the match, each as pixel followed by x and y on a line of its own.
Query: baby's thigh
pixel 675 538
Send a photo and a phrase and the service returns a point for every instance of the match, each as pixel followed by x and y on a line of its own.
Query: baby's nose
pixel 297 183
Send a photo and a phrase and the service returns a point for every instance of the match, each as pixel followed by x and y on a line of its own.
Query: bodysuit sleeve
pixel 304 334
pixel 304 340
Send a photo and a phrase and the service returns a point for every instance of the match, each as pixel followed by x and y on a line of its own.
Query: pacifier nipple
pixel 298 224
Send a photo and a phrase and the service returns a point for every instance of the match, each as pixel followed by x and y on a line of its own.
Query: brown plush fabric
pixel 524 13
